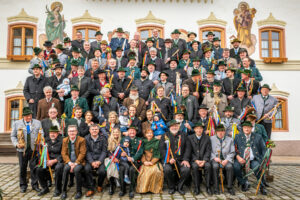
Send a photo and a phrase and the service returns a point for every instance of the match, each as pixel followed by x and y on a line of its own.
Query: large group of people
pixel 142 113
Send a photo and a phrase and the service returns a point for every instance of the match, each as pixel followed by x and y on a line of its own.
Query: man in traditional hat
pixel 191 38
pixel 158 42
pixel 251 85
pixel 196 65
pixel 119 41
pixel 144 85
pixel 168 51
pixel 121 60
pixel 133 51
pixel 98 55
pixel 231 62
pixel 209 39
pixel 103 49
pixel 33 88
pixel 146 51
pixel 55 162
pixel 154 58
pixel 195 50
pixel 76 56
pixel 59 49
pixel 199 153
pixel 230 83
pixel 207 61
pixel 175 156
pixel 222 156
pixel 240 101
pixel 23 136
pixel 38 59
pixel 216 48
pixel 207 84
pixel 255 73
pixel 121 85
pixel 174 70
pixel 179 43
pixel 168 86
pixel 229 121
pixel 264 103
pixel 74 101
pixel 257 128
pixel 221 72
pixel 194 83
pixel 202 117
pixel 186 126
pixel 96 44
pixel 73 154
pixel 78 42
pixel 132 71
pixel 250 149
pixel 48 49
pixel 48 102
pixel 136 151
pixel 185 61
pixel 235 51
pixel 67 47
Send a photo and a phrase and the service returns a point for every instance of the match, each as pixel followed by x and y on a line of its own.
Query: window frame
pixel 10 40
pixel 282 58
pixel 285 125
pixel 150 28
pixel 86 27
pixel 214 28
pixel 8 100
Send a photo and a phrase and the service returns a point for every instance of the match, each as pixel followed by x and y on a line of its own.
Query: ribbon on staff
pixel 173 102
pixel 234 130
pixel 113 157
pixel 178 151
pixel 145 58
pixel 167 157
pixel 211 126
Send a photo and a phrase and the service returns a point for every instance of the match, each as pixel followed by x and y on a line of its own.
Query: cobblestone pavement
pixel 285 186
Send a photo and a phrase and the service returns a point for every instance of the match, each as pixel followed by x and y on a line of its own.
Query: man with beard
pixel 216 48
pixel 96 44
pixel 120 85
pixel 230 83
pixel 251 85
pixel 189 102
pixel 134 99
pixel 228 121
pixel 54 143
pixel 172 72
pixel 144 85
pixel 235 51
pixel 199 155
pixel 56 80
pixel 161 104
pixel 83 83
pixel 173 145
pixel 147 124
pixel 186 126
pixel 217 98
pixel 240 101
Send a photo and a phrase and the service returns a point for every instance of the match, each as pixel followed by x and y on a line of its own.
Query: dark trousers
pixel 24 160
pixel 126 166
pixel 239 174
pixel 89 175
pixel 132 175
pixel 197 174
pixel 268 127
pixel 216 172
pixel 170 174
pixel 33 107
pixel 77 171
pixel 42 174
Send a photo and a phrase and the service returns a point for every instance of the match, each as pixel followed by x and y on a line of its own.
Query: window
pixel 22 40
pixel 88 32
pixel 280 122
pixel 218 31
pixel 272 48
pixel 146 31
pixel 14 110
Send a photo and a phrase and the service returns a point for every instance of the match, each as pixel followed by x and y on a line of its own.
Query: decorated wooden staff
pixel 130 161
pixel 169 152
pixel 132 75
pixel 156 106
pixel 221 172
pixel 45 157
pixel 37 144
pixel 178 84
pixel 273 111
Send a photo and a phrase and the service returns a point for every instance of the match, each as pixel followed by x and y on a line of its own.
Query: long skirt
pixel 150 179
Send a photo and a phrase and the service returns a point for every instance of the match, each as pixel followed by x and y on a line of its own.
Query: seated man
pixel 250 149
pixel 95 154
pixel 222 155
pixel 73 153
pixel 199 153
pixel 54 143
pixel 240 101
pixel 173 145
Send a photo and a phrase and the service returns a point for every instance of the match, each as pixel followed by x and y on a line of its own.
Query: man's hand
pixel 198 162
pixel 230 97
pixel 31 100
pixel 240 160
pixel 116 160
pixel 147 103
pixel 224 163
pixel 130 159
pixel 172 161
pixel 155 82
pixel 249 97
pixel 123 154
pixel 186 163
pixel 187 125
pixel 218 160
pixel 70 76
pixel 19 146
pixel 157 110
pixel 207 132
pixel 161 126
pixel 196 94
pixel 202 163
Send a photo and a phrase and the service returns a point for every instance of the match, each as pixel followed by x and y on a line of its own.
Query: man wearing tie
pixel 250 149
pixel 96 44
pixel 118 41
pixel 235 51
pixel 23 137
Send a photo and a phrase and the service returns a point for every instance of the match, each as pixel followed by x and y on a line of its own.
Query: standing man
pixel 48 49
pixel 235 51
pixel 264 102
pixel 23 137
pixel 33 88
pixel 120 88
pixel 159 43
pixel 96 44
pixel 208 44
pixel 54 143
pixel 144 85
pixel 119 41
pixel 83 83
pixel 231 62
pixel 230 83
pixel 217 50
pixel 59 49
pixel 73 154
pixel 178 43
pixel 240 101
pixel 78 43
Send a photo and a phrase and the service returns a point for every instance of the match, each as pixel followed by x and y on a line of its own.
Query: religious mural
pixel 243 21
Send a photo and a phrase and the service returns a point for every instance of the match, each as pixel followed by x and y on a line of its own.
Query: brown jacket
pixel 140 109
pixel 43 107
pixel 80 150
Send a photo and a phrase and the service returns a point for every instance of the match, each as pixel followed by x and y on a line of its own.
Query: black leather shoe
pixel 245 187
pixel 217 192
pixel 121 193
pixel 78 195
pixel 231 191
pixel 131 195
pixel 49 183
pixel 209 192
pixel 263 190
pixel 36 188
pixel 181 191
pixel 111 189
pixel 23 190
pixel 56 193
pixel 196 191
pixel 64 195
pixel 44 191
pixel 266 184
pixel 171 191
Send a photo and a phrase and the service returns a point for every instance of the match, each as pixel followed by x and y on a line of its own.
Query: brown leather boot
pixel 99 189
pixel 89 193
